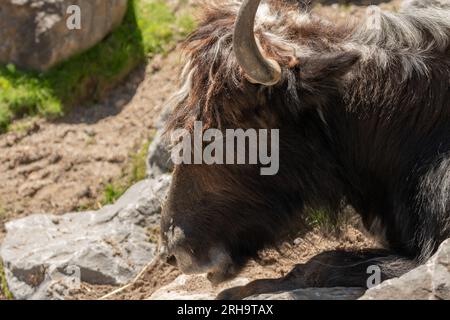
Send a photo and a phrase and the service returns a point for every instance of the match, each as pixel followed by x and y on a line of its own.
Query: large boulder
pixel 45 256
pixel 34 33
pixel 430 281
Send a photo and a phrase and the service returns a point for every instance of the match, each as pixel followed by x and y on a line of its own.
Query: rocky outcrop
pixel 35 34
pixel 428 282
pixel 159 159
pixel 45 256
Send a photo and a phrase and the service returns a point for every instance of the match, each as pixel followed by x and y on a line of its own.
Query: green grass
pixel 4 285
pixel 318 218
pixel 327 222
pixel 346 7
pixel 2 212
pixel 322 220
pixel 112 193
pixel 149 28
pixel 135 172
pixel 4 291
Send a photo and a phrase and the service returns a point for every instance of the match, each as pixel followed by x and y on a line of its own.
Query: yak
pixel 363 111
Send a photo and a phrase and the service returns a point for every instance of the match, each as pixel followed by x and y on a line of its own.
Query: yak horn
pixel 249 53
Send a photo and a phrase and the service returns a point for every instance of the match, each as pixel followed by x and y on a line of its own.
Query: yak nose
pixel 169 258
pixel 175 238
pixel 172 260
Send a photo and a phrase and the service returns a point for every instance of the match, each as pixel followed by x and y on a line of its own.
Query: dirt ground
pixel 64 165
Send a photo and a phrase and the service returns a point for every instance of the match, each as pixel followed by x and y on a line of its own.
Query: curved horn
pixel 249 54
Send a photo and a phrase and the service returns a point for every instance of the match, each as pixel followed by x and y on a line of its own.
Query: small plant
pixel 346 7
pixel 112 193
pixel 3 284
pixel 2 212
pixel 139 163
pixel 153 234
pixel 23 126
pixel 322 220
pixel 328 222
pixel 135 172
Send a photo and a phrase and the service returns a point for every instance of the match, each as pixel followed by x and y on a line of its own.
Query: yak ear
pixel 327 67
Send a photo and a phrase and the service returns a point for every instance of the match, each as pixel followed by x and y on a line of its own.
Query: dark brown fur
pixel 376 137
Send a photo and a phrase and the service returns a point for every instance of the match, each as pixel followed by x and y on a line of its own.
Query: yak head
pixel 284 74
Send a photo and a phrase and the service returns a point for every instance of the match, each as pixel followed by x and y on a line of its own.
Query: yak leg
pixel 329 269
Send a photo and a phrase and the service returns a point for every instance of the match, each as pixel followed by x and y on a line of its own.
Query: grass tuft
pixel 329 222
pixel 4 285
pixel 324 221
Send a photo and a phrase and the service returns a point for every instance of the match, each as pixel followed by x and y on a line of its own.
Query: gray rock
pixel 313 294
pixel 427 282
pixel 45 256
pixel 35 34
pixel 159 159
